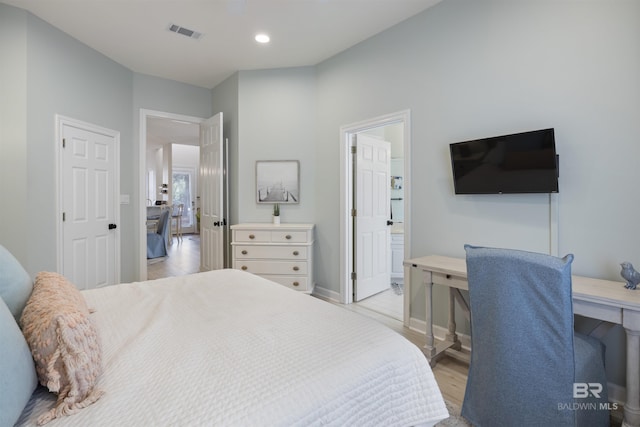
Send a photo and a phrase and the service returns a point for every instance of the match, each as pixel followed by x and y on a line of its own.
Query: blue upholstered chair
pixel 525 356
pixel 157 241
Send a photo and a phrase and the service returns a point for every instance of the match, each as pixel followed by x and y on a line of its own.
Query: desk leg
pixel 632 405
pixel 430 348
pixel 452 336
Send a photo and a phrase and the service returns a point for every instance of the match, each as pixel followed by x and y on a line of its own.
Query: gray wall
pixel 13 129
pixel 58 75
pixel 225 100
pixel 470 69
pixel 276 110
pixel 46 72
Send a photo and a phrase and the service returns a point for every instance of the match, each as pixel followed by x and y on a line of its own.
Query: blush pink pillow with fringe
pixel 64 343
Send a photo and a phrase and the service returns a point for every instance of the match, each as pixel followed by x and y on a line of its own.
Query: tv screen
pixel 518 163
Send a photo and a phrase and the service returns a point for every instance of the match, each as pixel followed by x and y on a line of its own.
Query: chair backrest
pixel 522 332
pixel 163 223
pixel 177 210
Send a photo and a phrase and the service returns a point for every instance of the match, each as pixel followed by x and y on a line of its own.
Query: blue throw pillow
pixel 18 377
pixel 15 283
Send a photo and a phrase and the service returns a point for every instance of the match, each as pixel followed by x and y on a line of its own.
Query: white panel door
pixel 372 203
pixel 89 196
pixel 211 195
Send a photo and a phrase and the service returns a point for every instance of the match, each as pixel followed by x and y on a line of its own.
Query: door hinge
pixel 64 143
pixel 354 212
pixel 64 216
pixel 354 149
pixel 353 276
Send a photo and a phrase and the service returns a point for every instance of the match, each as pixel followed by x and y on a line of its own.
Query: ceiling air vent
pixel 184 31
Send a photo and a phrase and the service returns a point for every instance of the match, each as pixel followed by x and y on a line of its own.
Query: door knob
pixel 389 222
pixel 112 226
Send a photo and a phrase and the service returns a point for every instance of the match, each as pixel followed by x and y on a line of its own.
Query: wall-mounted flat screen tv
pixel 518 163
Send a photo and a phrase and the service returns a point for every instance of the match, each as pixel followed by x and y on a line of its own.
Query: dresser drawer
pixel 263 252
pixel 282 253
pixel 299 283
pixel 271 267
pixel 288 236
pixel 252 236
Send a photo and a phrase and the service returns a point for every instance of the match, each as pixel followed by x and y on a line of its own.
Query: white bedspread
pixel 227 348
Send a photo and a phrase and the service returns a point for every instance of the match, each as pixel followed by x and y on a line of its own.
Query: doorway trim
pixel 142 179
pixel 346 195
pixel 60 122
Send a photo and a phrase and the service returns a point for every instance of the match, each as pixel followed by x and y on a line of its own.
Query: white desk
pixel 594 298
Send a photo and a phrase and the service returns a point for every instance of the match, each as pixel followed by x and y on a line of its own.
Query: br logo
pixel 585 390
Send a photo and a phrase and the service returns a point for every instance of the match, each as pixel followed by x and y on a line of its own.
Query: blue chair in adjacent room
pixel 158 241
pixel 528 366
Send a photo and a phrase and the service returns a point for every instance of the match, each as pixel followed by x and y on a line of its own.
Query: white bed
pixel 227 348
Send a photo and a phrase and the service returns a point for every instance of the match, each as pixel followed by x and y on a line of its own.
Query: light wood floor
pixel 388 302
pixel 451 374
pixel 184 258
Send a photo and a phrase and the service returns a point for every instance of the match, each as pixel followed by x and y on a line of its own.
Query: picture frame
pixel 277 181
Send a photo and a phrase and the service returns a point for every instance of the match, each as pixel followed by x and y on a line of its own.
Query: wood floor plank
pixel 183 259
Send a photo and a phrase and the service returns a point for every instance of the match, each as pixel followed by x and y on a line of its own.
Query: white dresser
pixel 282 253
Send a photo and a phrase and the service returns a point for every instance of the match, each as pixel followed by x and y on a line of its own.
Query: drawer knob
pixel 244 252
pixel 251 236
pixel 244 267
pixel 288 237
pixel 296 284
pixel 296 253
pixel 296 268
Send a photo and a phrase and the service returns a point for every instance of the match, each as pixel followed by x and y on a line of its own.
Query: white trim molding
pixel 142 182
pixel 60 122
pixel 346 193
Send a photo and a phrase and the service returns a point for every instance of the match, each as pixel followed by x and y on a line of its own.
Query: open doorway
pixel 169 153
pixel 394 128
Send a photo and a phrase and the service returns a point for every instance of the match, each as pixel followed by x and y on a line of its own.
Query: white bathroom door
pixel 89 195
pixel 212 219
pixel 372 234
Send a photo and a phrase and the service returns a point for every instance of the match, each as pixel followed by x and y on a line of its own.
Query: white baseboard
pixel 438 331
pixel 325 293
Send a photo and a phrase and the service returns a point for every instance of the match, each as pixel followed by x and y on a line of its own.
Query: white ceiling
pixel 135 33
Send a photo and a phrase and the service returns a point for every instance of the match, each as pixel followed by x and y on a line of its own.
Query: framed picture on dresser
pixel 278 181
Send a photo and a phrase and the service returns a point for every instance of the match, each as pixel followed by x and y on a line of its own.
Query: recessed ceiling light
pixel 262 38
